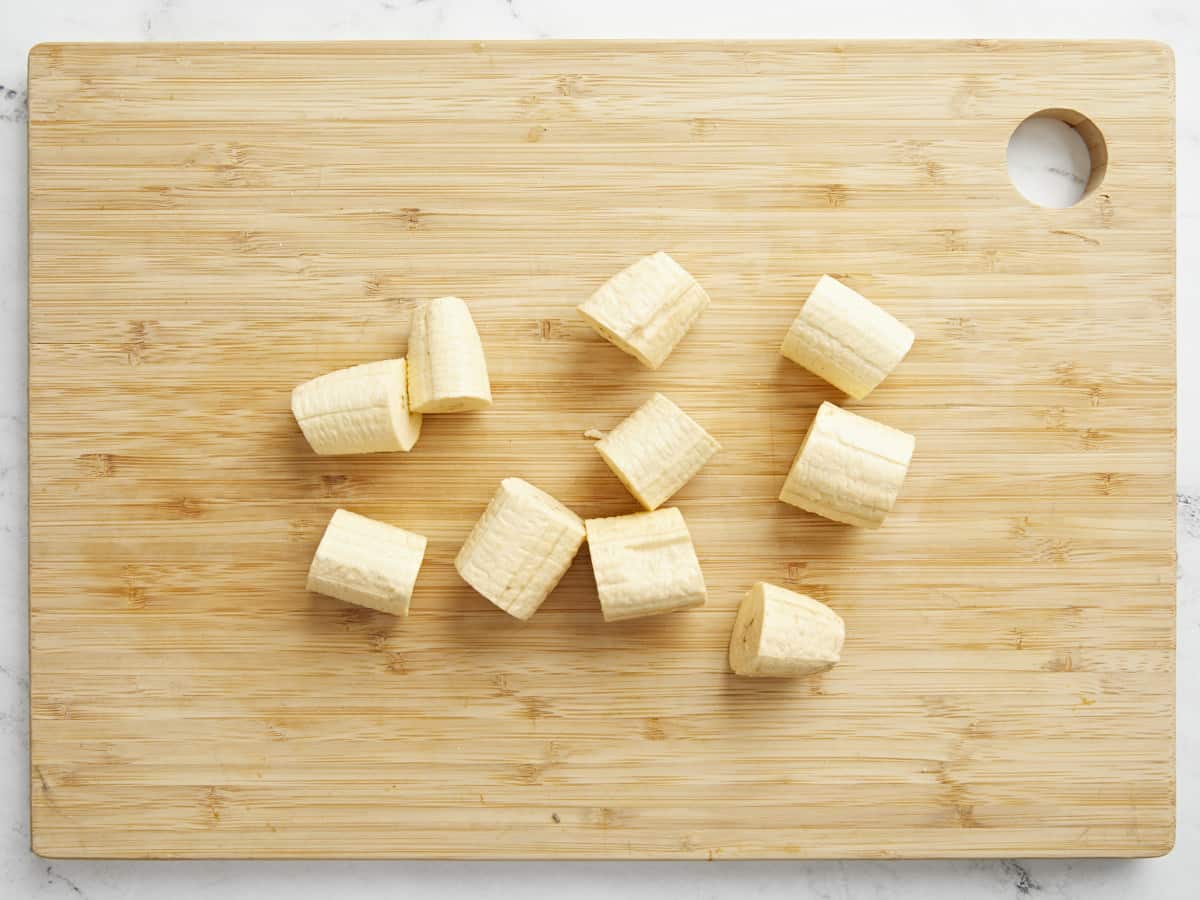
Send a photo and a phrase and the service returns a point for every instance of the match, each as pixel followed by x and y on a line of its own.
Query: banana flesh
pixel 779 632
pixel 849 468
pixel 363 409
pixel 647 308
pixel 447 368
pixel 846 339
pixel 656 450
pixel 520 548
pixel 367 562
pixel 645 564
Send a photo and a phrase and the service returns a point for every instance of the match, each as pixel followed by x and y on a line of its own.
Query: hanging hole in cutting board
pixel 1056 157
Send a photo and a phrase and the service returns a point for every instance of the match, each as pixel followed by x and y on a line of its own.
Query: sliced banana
pixel 656 450
pixel 647 308
pixel 849 468
pixel 520 548
pixel 846 339
pixel 779 632
pixel 644 564
pixel 370 563
pixel 447 369
pixel 363 409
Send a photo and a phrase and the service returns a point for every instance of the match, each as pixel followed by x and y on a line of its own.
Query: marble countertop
pixel 23 24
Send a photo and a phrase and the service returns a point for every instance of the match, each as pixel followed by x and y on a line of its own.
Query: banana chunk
pixel 647 308
pixel 656 450
pixel 520 548
pixel 849 468
pixel 370 563
pixel 644 564
pixel 779 632
pixel 447 369
pixel 846 339
pixel 363 409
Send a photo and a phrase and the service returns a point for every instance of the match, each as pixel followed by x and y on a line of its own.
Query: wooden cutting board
pixel 212 224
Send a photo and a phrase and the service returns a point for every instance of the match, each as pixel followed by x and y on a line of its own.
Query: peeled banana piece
pixel 779 632
pixel 367 562
pixel 447 369
pixel 363 409
pixel 644 564
pixel 846 339
pixel 849 468
pixel 656 450
pixel 520 548
pixel 647 308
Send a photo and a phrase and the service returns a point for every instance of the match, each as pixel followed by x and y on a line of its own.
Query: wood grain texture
pixel 213 224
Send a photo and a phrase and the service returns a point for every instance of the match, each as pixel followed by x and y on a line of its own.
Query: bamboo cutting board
pixel 212 224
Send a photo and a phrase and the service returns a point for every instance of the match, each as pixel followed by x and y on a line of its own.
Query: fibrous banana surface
pixel 656 450
pixel 846 339
pixel 780 632
pixel 647 308
pixel 363 409
pixel 849 468
pixel 367 562
pixel 644 564
pixel 447 370
pixel 520 548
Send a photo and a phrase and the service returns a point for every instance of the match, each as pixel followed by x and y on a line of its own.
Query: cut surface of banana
pixel 644 564
pixel 849 468
pixel 846 339
pixel 647 308
pixel 447 370
pixel 520 548
pixel 779 632
pixel 363 409
pixel 367 562
pixel 656 450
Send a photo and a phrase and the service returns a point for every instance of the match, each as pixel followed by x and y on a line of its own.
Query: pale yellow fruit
pixel 849 468
pixel 779 632
pixel 520 548
pixel 644 564
pixel 447 367
pixel 363 409
pixel 656 450
pixel 846 339
pixel 366 562
pixel 647 308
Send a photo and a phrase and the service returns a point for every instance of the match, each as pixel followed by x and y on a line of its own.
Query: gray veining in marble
pixel 26 22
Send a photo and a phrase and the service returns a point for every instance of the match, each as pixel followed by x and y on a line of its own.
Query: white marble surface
pixel 26 22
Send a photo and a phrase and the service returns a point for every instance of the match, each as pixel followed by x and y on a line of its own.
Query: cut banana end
pixel 520 548
pixel 363 409
pixel 647 308
pixel 370 563
pixel 779 632
pixel 849 468
pixel 656 450
pixel 447 369
pixel 846 339
pixel 644 564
